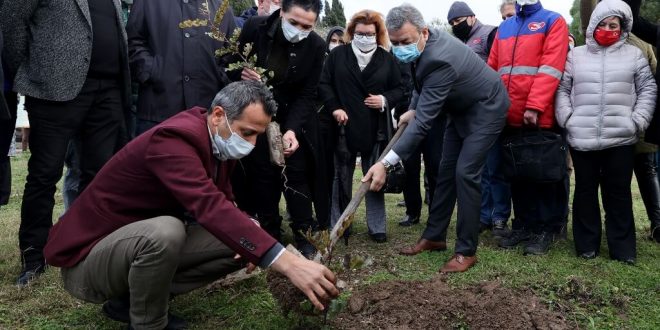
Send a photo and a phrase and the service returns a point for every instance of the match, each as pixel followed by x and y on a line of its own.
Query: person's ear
pixel 425 33
pixel 218 115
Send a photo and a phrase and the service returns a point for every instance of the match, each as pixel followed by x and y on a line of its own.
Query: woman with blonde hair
pixel 359 83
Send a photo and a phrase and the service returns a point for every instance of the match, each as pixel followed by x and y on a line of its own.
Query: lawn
pixel 595 294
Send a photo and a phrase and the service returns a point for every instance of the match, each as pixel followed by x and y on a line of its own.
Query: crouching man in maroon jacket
pixel 159 218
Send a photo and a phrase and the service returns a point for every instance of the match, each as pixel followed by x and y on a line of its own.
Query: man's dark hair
pixel 307 5
pixel 235 97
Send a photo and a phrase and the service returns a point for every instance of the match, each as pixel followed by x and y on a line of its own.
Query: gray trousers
pixel 342 191
pixel 459 179
pixel 150 260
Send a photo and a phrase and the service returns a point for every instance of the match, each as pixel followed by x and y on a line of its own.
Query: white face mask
pixel 235 147
pixel 365 43
pixel 273 8
pixel 527 2
pixel 333 45
pixel 292 34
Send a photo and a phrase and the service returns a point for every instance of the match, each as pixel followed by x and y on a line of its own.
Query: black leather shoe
pixel 30 272
pixel 539 244
pixel 516 237
pixel 409 221
pixel 588 255
pixel 379 237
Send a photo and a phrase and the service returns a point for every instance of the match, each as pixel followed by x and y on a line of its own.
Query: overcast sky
pixel 486 10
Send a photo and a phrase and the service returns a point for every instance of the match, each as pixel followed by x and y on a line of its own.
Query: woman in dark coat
pixel 285 44
pixel 359 82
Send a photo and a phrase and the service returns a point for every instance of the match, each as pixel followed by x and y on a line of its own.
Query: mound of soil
pixel 435 305
pixel 287 296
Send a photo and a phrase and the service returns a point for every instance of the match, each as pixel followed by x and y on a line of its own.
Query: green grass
pixel 596 294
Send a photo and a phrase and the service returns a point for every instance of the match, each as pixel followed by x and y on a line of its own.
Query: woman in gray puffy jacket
pixel 605 101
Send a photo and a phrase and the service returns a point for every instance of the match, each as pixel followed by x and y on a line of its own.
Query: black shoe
pixel 30 272
pixel 588 255
pixel 408 221
pixel 379 238
pixel 516 237
pixel 119 310
pixel 500 229
pixel 539 244
pixel 401 204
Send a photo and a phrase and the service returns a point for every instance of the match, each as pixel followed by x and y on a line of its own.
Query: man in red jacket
pixel 530 52
pixel 160 219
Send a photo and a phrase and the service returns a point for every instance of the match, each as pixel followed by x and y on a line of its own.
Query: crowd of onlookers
pixel 500 117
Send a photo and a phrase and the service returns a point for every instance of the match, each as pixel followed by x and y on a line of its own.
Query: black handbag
pixel 534 156
pixel 396 174
pixel 395 180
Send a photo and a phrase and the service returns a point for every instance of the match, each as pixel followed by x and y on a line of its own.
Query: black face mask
pixel 462 30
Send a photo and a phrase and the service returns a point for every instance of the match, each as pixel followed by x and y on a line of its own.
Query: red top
pixel 168 170
pixel 529 53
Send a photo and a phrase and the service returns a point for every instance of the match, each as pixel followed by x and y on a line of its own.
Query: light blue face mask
pixel 407 53
pixel 235 147
pixel 292 33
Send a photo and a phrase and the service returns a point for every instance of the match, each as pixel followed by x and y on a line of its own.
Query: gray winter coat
pixel 607 95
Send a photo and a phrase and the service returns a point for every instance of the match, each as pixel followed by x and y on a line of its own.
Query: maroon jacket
pixel 168 170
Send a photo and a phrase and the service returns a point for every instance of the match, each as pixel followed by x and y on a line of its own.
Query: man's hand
pixel 340 116
pixel 377 175
pixel 248 74
pixel 531 117
pixel 315 280
pixel 290 143
pixel 406 117
pixel 374 102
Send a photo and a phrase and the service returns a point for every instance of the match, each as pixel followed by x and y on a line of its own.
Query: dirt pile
pixel 435 305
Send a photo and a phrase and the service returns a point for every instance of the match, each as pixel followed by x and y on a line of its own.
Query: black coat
pixel 650 33
pixel 295 91
pixel 4 110
pixel 344 86
pixel 177 68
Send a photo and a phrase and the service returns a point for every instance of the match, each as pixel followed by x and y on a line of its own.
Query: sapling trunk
pixel 346 218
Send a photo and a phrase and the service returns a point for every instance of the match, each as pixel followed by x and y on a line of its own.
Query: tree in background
pixel 239 6
pixel 334 15
pixel 581 13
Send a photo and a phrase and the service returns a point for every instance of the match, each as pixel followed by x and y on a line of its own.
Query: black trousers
pixel 539 207
pixel 649 187
pixel 432 155
pixel 6 133
pixel 258 187
pixel 96 116
pixel 611 170
pixel 459 179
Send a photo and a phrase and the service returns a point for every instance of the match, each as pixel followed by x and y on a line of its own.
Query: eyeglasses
pixel 360 34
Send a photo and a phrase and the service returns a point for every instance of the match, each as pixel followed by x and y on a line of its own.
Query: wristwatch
pixel 387 165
